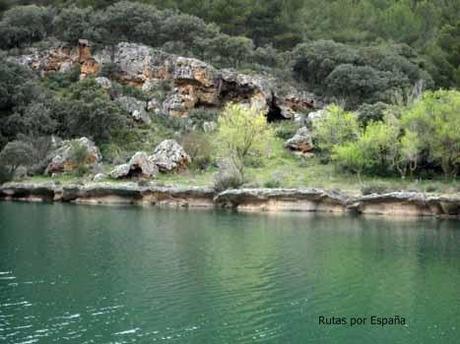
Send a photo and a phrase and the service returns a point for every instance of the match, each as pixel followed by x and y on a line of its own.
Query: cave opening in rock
pixel 135 172
pixel 274 113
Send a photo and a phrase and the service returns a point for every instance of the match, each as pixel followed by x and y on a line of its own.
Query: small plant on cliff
pixel 242 132
pixel 79 156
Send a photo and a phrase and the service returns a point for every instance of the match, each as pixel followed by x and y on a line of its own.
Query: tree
pixel 350 156
pixel 374 152
pixel 23 25
pixel 88 111
pixel 409 154
pixel 16 154
pixel 16 85
pixel 358 84
pixel 435 120
pixel 72 23
pixel 242 131
pixel 336 127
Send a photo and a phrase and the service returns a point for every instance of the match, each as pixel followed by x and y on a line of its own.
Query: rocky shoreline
pixel 253 200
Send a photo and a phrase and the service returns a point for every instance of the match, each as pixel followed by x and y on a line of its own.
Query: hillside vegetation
pixel 388 69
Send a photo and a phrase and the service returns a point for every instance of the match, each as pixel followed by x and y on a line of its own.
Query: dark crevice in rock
pixel 232 91
pixel 135 172
pixel 274 112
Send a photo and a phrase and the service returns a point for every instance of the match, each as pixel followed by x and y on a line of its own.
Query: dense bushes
pixel 86 110
pixel 242 132
pixel 336 127
pixel 427 134
pixel 435 121
pixel 357 75
pixel 369 68
pixel 21 26
pixel 14 155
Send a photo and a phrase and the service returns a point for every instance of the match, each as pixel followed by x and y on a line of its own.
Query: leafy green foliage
pixel 86 110
pixel 79 155
pixel 358 75
pixel 242 132
pixel 229 176
pixel 23 25
pixel 435 120
pixel 373 152
pixel 336 127
pixel 198 146
pixel 371 112
pixel 16 154
pixel 73 23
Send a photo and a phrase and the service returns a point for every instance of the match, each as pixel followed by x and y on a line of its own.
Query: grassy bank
pixel 285 170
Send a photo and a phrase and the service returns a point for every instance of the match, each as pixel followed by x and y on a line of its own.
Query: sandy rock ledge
pixel 253 200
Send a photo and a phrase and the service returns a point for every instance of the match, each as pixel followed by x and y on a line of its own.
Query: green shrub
pixel 228 177
pixel 374 188
pixel 15 154
pixel 79 155
pixel 335 127
pixel 435 121
pixel 374 152
pixel 59 80
pixel 273 182
pixel 199 116
pixel 371 112
pixel 199 148
pixel 5 174
pixel 242 133
pixel 285 129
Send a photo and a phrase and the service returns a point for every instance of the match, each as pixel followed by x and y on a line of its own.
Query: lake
pixel 99 274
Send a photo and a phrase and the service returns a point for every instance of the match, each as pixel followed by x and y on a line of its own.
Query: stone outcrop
pixel 170 156
pixel 282 199
pixel 136 108
pixel 62 158
pixel 301 142
pixel 195 83
pixel 402 203
pixel 139 166
pixel 267 200
pixel 104 82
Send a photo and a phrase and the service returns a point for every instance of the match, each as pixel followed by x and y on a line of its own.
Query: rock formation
pixel 301 142
pixel 195 83
pixel 140 165
pixel 168 156
pixel 136 108
pixel 62 158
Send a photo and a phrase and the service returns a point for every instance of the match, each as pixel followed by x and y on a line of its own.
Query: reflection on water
pixel 122 275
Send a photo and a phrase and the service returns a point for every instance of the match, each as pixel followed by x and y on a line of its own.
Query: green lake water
pixel 95 274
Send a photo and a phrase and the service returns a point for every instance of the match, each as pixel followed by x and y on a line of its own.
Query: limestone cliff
pixel 196 83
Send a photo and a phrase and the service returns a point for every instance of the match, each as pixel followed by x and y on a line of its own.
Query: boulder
pixel 104 82
pixel 170 156
pixel 140 165
pixel 99 177
pixel 136 108
pixel 120 171
pixel 62 158
pixel 154 106
pixel 316 115
pixel 301 142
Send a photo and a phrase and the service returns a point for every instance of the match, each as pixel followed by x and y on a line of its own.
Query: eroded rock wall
pixel 195 83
